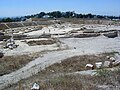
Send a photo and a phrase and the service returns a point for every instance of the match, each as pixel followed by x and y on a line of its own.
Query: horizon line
pixel 55 11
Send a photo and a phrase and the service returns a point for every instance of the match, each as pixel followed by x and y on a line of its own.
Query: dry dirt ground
pixel 55 77
pixel 12 63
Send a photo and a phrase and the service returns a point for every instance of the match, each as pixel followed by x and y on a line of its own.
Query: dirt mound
pixel 29 23
pixel 41 42
pixel 111 34
pixel 19 24
pixel 19 37
pixel 14 25
pixel 2 26
pixel 85 35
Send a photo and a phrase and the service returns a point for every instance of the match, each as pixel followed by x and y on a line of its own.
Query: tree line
pixel 58 14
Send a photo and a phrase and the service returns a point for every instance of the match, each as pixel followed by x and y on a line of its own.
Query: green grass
pixel 108 77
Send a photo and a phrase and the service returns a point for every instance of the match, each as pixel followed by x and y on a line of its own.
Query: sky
pixel 11 8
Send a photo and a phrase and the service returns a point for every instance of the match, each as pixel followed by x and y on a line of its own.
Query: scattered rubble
pixel 107 64
pixel 10 43
pixel 108 57
pixel 112 59
pixel 89 66
pixel 35 87
pixel 98 65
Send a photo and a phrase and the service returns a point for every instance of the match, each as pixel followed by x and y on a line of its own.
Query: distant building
pixel 46 16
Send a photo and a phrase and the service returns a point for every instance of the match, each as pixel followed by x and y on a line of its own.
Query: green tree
pixel 7 20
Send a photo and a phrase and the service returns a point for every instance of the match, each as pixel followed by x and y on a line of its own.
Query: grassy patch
pixel 52 79
pixel 108 77
pixel 76 63
pixel 69 82
pixel 9 64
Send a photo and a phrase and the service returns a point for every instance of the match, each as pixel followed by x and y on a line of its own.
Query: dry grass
pixel 62 82
pixel 41 42
pixel 76 63
pixel 9 64
pixel 68 82
pixel 89 21
pixel 108 77
pixel 50 80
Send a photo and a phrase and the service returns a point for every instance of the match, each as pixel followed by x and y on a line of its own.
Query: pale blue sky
pixel 28 7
